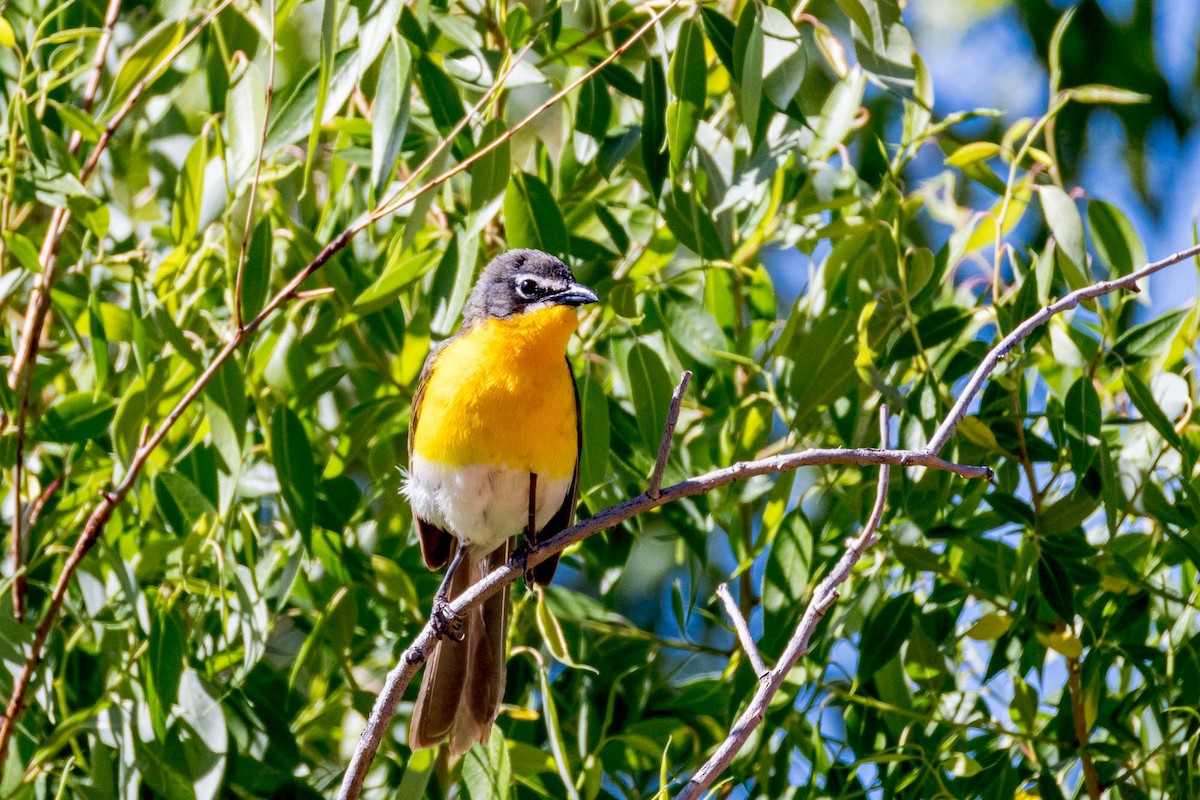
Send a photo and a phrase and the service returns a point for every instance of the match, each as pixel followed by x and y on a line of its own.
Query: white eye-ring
pixel 529 288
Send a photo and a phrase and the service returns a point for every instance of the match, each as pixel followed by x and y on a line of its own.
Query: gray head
pixel 522 280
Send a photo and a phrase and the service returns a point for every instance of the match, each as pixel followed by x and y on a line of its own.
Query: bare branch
pixel 942 435
pixel 398 679
pixel 664 445
pixel 1091 779
pixel 743 630
pixel 824 596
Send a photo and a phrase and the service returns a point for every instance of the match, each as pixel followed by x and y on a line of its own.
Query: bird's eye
pixel 528 288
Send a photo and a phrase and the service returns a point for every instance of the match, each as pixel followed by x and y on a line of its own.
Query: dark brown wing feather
pixel 543 573
pixel 435 542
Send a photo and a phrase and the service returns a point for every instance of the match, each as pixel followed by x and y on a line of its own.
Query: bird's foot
pixel 446 623
pixel 526 548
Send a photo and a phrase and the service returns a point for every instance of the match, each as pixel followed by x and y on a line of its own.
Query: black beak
pixel 575 295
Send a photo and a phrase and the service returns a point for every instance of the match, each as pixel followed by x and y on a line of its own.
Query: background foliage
pixel 769 195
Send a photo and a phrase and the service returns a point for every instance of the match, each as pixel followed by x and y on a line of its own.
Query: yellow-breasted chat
pixel 493 452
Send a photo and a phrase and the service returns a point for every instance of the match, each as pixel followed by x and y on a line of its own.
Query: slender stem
pixel 942 435
pixel 1075 685
pixel 262 146
pixel 743 630
pixel 664 444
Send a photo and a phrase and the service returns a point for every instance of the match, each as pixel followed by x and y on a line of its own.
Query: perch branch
pixel 824 596
pixel 743 631
pixel 416 653
pixel 664 445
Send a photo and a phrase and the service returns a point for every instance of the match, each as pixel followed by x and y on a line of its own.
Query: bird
pixel 494 445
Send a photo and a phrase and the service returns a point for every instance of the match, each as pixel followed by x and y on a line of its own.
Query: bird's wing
pixel 543 573
pixel 435 542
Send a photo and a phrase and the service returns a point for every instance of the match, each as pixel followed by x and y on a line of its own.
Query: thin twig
pixel 1075 685
pixel 743 630
pixel 416 653
pixel 664 444
pixel 942 435
pixel 262 146
pixel 824 596
pixel 20 377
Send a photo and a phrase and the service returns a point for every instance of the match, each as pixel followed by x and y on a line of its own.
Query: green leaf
pixel 162 668
pixel 140 61
pixel 388 126
pixel 650 389
pixel 225 406
pixel 256 272
pixel 721 34
pixel 971 153
pixel 593 402
pixel 1107 95
pixel 693 225
pixel 189 192
pixel 452 280
pixel 1081 408
pixel 1117 243
pixel 748 47
pixel 293 459
pixel 532 217
pixel 486 772
pixel 933 329
pixel 1067 226
pixel 207 740
pixel 296 115
pixel 789 565
pixel 76 418
pixel 1056 587
pixel 325 67
pixel 401 269
pixel 693 329
pixel 654 125
pixel 1148 340
pixel 1143 400
pixel 97 341
pixel 441 95
pixel 783 58
pixel 594 110
pixel 181 504
pixel 688 77
pixel 838 115
pixel 882 43
pixel 490 174
pixel 884 633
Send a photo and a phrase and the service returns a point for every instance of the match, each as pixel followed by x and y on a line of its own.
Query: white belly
pixel 483 504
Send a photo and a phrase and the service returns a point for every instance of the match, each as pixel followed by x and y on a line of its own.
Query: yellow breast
pixel 501 393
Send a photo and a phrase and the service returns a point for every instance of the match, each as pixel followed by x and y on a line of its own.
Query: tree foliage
pixel 738 185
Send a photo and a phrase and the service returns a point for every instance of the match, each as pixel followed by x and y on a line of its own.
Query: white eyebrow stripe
pixel 540 280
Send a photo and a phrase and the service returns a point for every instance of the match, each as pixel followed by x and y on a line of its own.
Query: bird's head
pixel 524 281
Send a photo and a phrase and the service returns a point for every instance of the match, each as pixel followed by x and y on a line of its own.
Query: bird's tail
pixel 463 682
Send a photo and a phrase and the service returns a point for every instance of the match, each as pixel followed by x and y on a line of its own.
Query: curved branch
pixel 824 596
pixel 400 676
pixel 942 435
